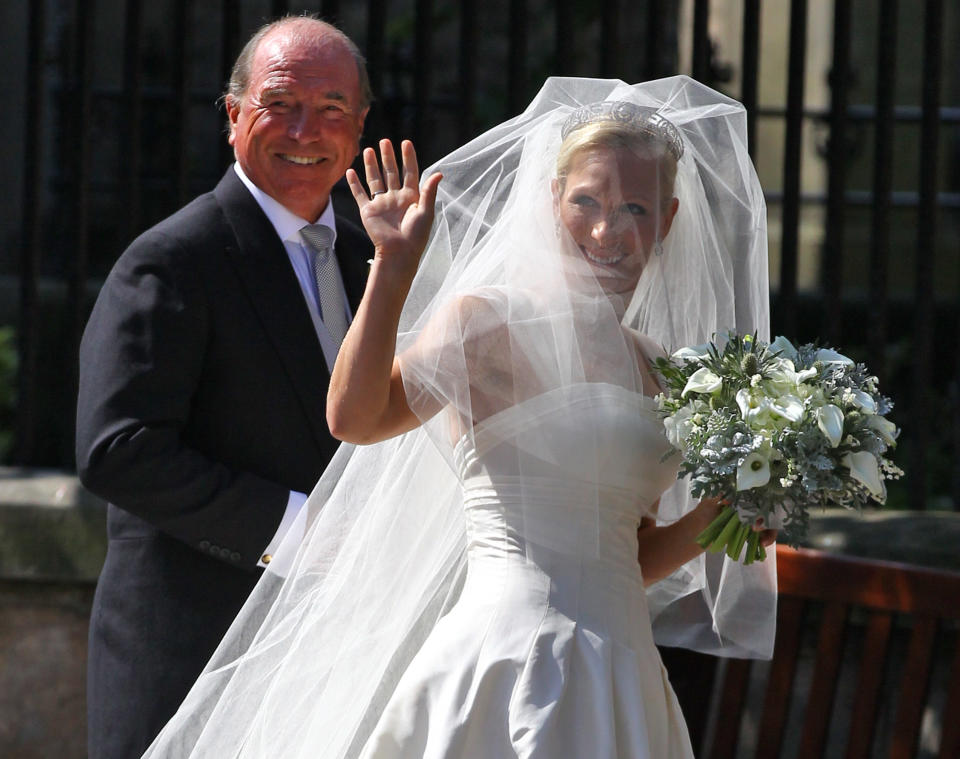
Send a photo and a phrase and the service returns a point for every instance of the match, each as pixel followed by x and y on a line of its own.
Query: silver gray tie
pixel 319 239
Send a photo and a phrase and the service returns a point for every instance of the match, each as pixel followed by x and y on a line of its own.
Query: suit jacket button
pixel 204 545
pixel 224 553
pixel 234 557
pixel 214 550
pixel 266 558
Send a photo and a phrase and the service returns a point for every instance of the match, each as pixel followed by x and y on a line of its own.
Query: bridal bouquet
pixel 774 430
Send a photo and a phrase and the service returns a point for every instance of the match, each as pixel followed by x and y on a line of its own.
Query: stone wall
pixel 52 544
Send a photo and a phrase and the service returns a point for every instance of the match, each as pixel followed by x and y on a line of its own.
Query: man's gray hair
pixel 240 73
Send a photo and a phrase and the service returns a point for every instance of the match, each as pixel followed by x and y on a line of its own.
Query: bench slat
pixel 950 740
pixel 780 682
pixel 823 687
pixel 872 664
pixel 733 694
pixel 913 689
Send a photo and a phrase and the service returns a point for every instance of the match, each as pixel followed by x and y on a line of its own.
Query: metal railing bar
pixel 181 100
pixel 926 238
pixel 229 49
pixel 375 51
pixel 867 113
pixel 750 74
pixel 701 41
pixel 517 57
pixel 790 218
pixel 832 251
pixel 133 118
pixel 31 241
pixel 467 70
pixel 422 69
pixel 900 199
pixel 610 36
pixel 564 43
pixel 654 39
pixel 79 241
pixel 882 195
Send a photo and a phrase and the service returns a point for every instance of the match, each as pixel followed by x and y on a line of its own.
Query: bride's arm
pixel 366 400
pixel 662 549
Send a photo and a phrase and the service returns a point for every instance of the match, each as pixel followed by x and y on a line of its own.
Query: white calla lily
pixel 702 381
pixel 864 468
pixel 886 429
pixel 753 472
pixel 830 421
pixel 752 405
pixel 830 356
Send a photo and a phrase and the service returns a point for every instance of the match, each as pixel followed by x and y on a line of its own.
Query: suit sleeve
pixel 140 359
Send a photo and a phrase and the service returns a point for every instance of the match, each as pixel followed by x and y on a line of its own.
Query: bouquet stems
pixel 727 533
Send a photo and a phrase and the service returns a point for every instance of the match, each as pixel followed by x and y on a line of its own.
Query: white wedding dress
pixel 548 652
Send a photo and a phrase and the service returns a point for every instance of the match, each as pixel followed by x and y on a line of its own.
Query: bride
pixel 481 582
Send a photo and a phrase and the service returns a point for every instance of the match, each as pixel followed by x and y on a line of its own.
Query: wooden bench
pixel 877 631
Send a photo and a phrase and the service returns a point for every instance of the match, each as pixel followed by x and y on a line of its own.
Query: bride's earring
pixel 658 248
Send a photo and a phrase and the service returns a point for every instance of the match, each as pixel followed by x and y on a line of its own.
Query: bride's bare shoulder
pixel 650 348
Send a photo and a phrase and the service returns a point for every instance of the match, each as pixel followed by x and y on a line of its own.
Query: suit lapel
pixel 271 286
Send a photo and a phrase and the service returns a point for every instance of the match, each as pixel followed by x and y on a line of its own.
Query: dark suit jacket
pixel 201 405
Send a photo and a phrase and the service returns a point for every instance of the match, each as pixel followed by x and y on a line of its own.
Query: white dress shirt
pixel 288 226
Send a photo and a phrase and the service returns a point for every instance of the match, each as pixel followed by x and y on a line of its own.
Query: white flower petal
pixel 830 356
pixel 789 407
pixel 784 346
pixel 691 353
pixel 702 381
pixel 830 422
pixel 886 429
pixel 864 401
pixel 754 472
pixel 864 468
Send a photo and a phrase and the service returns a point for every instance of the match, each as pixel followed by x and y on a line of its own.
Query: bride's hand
pixel 396 214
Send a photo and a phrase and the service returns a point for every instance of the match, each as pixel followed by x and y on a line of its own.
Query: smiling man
pixel 203 376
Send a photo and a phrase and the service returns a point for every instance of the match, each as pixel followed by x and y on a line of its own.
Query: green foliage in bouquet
pixel 774 430
pixel 8 379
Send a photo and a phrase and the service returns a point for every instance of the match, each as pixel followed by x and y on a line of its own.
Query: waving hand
pixel 396 214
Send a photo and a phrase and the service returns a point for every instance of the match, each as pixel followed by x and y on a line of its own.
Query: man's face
pixel 297 129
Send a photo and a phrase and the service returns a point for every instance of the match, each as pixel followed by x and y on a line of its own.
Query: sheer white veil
pixel 505 319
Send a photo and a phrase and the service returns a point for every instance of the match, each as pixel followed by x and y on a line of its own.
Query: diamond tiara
pixel 642 119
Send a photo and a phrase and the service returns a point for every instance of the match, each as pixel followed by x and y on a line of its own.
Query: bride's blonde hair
pixel 615 135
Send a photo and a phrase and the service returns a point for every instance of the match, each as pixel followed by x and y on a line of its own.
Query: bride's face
pixel 615 207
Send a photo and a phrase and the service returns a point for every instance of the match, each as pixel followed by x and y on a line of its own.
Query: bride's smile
pixel 616 204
